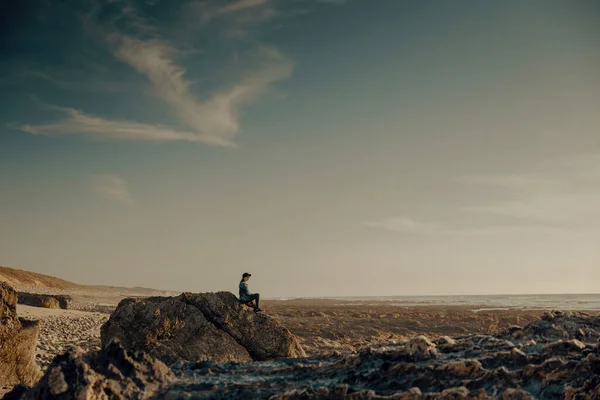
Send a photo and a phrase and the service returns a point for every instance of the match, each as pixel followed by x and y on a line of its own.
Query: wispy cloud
pixel 559 196
pixel 510 181
pixel 407 225
pixel 557 208
pixel 237 19
pixel 562 190
pixel 410 226
pixel 112 187
pixel 212 120
pixel 241 5
pixel 78 123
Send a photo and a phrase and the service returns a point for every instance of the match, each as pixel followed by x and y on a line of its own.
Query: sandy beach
pixel 323 326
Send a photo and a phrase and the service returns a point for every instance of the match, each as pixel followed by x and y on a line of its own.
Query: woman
pixel 245 296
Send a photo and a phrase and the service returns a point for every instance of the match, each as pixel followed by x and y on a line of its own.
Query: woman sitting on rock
pixel 249 299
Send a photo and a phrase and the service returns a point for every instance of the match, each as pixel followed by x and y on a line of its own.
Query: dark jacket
pixel 244 293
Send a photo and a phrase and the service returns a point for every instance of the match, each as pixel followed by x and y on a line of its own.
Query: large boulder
pixel 18 340
pixel 558 325
pixel 112 373
pixel 198 327
pixel 262 336
pixel 170 330
pixel 44 300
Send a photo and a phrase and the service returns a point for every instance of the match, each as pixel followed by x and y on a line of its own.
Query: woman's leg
pixel 255 297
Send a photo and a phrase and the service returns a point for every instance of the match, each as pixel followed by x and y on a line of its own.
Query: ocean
pixel 480 302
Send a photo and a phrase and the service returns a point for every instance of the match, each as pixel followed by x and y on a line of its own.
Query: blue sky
pixel 329 147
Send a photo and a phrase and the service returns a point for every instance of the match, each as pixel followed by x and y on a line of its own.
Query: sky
pixel 328 147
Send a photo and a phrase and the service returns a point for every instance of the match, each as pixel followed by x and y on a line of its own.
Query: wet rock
pixel 421 347
pixel 476 367
pixel 467 368
pixel 112 373
pixel 560 325
pixel 18 339
pixel 564 346
pixel 197 327
pixel 445 340
pixel 516 394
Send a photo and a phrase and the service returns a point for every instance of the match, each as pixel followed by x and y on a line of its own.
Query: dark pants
pixel 253 297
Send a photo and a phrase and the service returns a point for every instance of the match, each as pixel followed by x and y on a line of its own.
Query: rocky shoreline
pixel 555 357
pixel 356 353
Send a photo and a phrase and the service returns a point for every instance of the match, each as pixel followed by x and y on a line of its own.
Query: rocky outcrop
pixel 262 336
pixel 466 367
pixel 18 339
pixel 44 300
pixel 197 327
pixel 112 373
pixel 558 325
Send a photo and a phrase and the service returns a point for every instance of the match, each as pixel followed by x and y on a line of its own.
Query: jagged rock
pixel 421 347
pixel 171 331
pixel 476 367
pixel 559 325
pixel 263 337
pixel 517 394
pixel 18 339
pixel 44 300
pixel 564 346
pixel 444 340
pixel 468 368
pixel 112 373
pixel 197 327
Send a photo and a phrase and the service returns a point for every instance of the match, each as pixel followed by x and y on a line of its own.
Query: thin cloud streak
pixel 563 191
pixel 211 121
pixel 79 123
pixel 214 120
pixel 241 5
pixel 112 187
pixel 410 226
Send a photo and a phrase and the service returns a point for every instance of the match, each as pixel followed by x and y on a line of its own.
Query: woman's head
pixel 246 276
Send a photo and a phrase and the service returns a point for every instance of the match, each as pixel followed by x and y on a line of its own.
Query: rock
pixel 421 347
pixel 516 394
pixel 18 340
pixel 468 368
pixel 44 300
pixel 445 340
pixel 111 373
pixel 455 393
pixel 494 368
pixel 262 336
pixel 171 331
pixel 560 325
pixel 564 346
pixel 198 327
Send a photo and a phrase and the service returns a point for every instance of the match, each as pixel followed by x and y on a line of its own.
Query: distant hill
pixel 20 278
pixel 133 291
pixel 24 279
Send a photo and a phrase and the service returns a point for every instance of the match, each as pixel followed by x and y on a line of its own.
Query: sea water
pixel 481 302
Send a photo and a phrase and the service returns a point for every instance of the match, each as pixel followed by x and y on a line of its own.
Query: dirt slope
pixel 20 278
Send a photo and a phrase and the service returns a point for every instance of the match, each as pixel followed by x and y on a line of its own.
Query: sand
pixel 63 329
